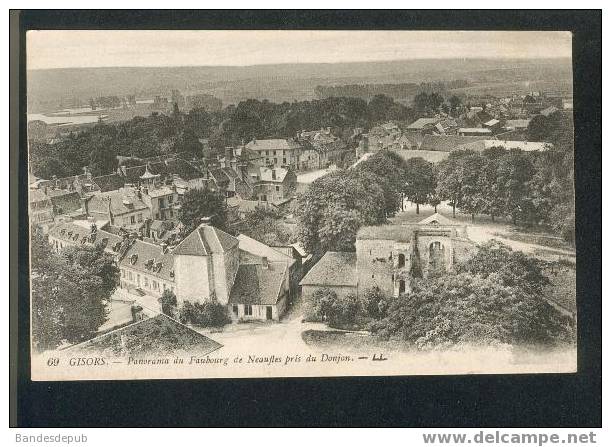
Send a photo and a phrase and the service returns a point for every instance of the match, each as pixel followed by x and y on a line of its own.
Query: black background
pixel 545 400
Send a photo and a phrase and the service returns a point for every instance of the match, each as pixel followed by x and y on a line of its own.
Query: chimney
pixel 145 191
pixel 264 262
pixel 273 174
pixel 164 247
pixel 206 220
pixel 228 155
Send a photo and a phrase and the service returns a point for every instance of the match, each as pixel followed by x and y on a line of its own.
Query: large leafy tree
pixel 420 181
pixel 334 207
pixel 199 203
pixel 69 294
pixel 390 170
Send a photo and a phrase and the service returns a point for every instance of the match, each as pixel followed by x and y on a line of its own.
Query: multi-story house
pixel 122 208
pixel 275 185
pixel 277 152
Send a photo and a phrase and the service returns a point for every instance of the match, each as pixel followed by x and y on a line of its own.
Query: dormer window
pixel 133 258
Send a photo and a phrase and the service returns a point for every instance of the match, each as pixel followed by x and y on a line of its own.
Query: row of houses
pixel 253 280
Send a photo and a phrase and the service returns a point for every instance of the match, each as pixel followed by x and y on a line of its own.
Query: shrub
pixel 168 302
pixel 206 314
pixel 325 305
pixel 342 310
pixel 374 303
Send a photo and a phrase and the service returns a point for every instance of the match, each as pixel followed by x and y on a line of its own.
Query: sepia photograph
pixel 300 203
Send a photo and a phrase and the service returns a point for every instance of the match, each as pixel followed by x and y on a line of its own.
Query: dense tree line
pixel 160 134
pixel 405 91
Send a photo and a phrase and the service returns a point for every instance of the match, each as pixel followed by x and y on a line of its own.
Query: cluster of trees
pixel 265 225
pixel 69 292
pixel 430 103
pixel 530 188
pixel 98 146
pixel 495 298
pixel 160 134
pixel 333 208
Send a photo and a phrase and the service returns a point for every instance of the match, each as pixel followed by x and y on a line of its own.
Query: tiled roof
pixel 335 268
pixel 36 195
pixel 399 233
pixel 183 169
pixel 446 143
pixel 75 233
pixel 436 218
pixel 159 335
pixel 422 123
pixel 474 130
pixel 205 240
pixel 517 124
pixel 272 144
pixel 548 111
pixel 261 250
pixel 109 182
pixel 255 284
pixel 121 202
pixel 140 254
pixel 266 174
pixel 64 201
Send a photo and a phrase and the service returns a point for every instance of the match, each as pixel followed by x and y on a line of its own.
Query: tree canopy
pixel 199 203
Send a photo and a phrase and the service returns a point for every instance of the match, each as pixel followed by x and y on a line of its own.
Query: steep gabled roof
pixel 273 144
pixel 436 219
pixel 335 268
pixel 256 284
pixel 204 241
pixel 110 182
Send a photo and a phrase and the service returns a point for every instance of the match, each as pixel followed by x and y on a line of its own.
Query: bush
pixel 374 303
pixel 168 302
pixel 325 305
pixel 343 310
pixel 206 314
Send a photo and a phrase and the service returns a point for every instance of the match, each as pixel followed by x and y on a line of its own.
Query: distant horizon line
pixel 308 63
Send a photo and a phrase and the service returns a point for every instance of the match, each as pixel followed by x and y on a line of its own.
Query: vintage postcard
pixel 231 204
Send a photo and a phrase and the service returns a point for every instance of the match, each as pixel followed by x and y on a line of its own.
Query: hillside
pixel 50 89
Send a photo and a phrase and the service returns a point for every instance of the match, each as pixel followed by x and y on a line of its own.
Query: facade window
pixel 146 282
pixel 139 217
pixel 284 160
pixel 401 287
pixel 171 213
pixel 274 153
pixel 401 260
pixel 132 219
pixel 123 273
pixel 161 203
pixel 170 199
pixel 235 309
pixel 277 189
pixel 247 309
pixel 266 152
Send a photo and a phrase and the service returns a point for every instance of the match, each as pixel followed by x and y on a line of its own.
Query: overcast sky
pixel 60 49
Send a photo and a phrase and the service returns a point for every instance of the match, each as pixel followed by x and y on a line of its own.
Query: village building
pixel 277 152
pixel 390 256
pixel 275 185
pixel 41 207
pixel 122 208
